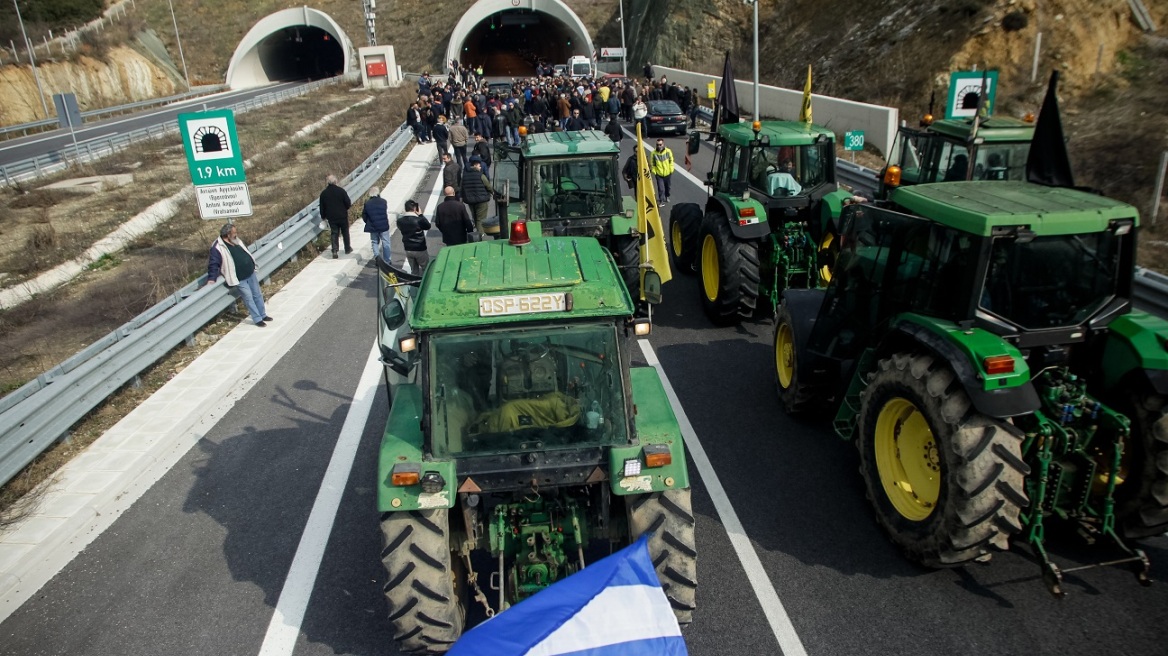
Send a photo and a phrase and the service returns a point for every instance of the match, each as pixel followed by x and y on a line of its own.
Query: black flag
pixel 727 104
pixel 1048 163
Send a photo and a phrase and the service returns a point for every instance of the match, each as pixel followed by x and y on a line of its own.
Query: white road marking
pixel 284 629
pixel 776 615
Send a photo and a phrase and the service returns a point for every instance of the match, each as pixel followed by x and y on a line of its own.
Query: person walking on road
pixel 334 208
pixel 459 136
pixel 230 258
pixel 453 219
pixel 482 150
pixel 661 163
pixel 451 174
pixel 413 227
pixel 614 131
pixel 441 136
pixel 640 115
pixel 375 213
pixel 477 192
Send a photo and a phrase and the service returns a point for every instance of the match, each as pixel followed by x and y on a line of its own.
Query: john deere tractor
pixel 520 440
pixel 570 184
pixel 769 222
pixel 977 341
pixel 949 150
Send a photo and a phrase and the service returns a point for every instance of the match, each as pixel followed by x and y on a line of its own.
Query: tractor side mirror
pixel 393 314
pixel 693 143
pixel 652 287
pixel 709 177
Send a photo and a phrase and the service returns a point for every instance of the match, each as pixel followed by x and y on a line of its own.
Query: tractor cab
pixel 947 150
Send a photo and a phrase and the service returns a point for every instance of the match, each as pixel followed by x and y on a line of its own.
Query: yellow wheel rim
pixel 907 459
pixel 824 251
pixel 710 268
pixel 675 238
pixel 785 355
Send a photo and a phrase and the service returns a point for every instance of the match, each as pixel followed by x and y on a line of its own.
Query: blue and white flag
pixel 614 606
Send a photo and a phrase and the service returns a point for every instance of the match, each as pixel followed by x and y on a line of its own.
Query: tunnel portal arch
pixel 495 33
pixel 294 43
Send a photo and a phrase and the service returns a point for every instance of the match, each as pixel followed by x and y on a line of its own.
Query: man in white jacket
pixel 230 258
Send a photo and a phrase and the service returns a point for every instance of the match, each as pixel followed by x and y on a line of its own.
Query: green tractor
pixel 769 222
pixel 978 342
pixel 520 440
pixel 570 184
pixel 951 150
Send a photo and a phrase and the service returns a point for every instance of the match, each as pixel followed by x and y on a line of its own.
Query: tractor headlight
pixel 432 482
pixel 632 467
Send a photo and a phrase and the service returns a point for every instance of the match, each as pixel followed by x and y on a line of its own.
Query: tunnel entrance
pixel 300 52
pixel 291 44
pixel 511 43
pixel 508 40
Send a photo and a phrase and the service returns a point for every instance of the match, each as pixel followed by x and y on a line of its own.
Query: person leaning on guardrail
pixel 229 256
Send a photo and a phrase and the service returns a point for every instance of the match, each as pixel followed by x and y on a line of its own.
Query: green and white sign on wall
pixel 216 164
pixel 212 147
pixel 854 140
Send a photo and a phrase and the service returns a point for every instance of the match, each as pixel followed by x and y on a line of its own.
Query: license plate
pixel 497 306
pixel 669 128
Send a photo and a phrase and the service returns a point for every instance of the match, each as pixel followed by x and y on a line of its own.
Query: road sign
pixel 964 89
pixel 223 201
pixel 612 53
pixel 212 147
pixel 854 140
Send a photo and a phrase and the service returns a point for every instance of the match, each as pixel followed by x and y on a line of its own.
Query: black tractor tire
pixel 672 547
pixel 1142 499
pixel 977 461
pixel 628 258
pixel 685 227
pixel 729 272
pixel 425 604
pixel 796 396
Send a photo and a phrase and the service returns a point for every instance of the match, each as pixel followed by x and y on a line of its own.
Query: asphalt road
pixel 15 150
pixel 197 565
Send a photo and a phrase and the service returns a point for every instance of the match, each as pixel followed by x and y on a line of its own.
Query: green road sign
pixel 854 140
pixel 964 89
pixel 212 147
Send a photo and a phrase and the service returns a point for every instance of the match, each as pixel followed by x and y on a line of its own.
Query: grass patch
pixel 107 261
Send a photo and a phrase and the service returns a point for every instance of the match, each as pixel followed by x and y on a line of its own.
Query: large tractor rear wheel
pixel 424 593
pixel 729 272
pixel 1142 499
pixel 672 548
pixel 685 227
pixel 946 482
pixel 795 395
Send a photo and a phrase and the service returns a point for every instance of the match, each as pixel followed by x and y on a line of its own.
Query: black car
pixel 501 89
pixel 665 117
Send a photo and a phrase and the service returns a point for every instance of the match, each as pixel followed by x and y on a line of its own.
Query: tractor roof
pixel 780 133
pixel 556 144
pixel 980 206
pixel 460 276
pixel 994 129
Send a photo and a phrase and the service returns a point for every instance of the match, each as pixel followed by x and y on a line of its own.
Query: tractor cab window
pixel 1001 161
pixel 575 188
pixel 513 390
pixel 780 171
pixel 909 154
pixel 508 175
pixel 952 162
pixel 730 165
pixel 1048 282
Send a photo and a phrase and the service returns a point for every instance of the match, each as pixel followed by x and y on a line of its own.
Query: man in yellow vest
pixel 661 163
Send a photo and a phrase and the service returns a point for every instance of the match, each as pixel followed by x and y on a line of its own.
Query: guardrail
pixel 38 414
pixel 92 149
pixel 110 111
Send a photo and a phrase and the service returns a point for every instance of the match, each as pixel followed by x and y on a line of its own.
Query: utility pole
pixel 370 7
pixel 179 40
pixel 757 116
pixel 31 59
pixel 624 53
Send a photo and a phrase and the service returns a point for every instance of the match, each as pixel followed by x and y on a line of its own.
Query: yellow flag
pixel 653 250
pixel 805 113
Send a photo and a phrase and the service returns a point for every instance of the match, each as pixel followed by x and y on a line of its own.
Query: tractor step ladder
pixel 845 418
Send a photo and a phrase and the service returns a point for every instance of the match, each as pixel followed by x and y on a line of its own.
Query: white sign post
pixel 223 201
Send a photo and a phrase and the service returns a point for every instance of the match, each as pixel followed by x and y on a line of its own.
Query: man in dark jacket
pixel 413 227
pixel 376 217
pixel 477 192
pixel 334 208
pixel 630 171
pixel 482 150
pixel 453 219
pixel 614 131
pixel 451 174
pixel 575 122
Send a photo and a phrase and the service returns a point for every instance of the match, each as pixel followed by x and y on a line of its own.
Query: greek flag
pixel 614 606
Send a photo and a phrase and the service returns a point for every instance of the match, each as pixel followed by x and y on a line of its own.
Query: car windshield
pixel 514 390
pixel 664 107
pixel 575 188
pixel 1051 281
pixel 581 69
pixel 787 170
